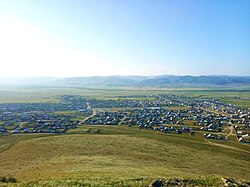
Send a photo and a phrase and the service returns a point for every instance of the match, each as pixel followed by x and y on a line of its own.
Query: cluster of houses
pixel 206 120
pixel 220 110
pixel 59 126
pixel 149 117
pixel 149 112
pixel 243 126
pixel 68 103
pixel 85 112
pixel 106 118
pixel 170 129
pixel 126 103
pixel 38 123
pixel 214 136
pixel 42 117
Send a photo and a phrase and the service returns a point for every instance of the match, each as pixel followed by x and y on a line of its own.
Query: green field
pixel 48 94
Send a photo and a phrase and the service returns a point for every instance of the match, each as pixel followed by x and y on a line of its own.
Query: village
pixel 165 113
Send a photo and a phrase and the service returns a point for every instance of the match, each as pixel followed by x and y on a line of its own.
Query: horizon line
pixel 159 75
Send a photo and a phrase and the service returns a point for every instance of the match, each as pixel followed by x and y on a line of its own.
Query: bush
pixel 8 180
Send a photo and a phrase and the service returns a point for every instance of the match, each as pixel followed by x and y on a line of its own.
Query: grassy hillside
pixel 120 154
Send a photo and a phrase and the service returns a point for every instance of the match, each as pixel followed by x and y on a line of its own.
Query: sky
pixel 68 38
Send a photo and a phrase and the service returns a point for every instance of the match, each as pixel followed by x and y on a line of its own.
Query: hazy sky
pixel 124 37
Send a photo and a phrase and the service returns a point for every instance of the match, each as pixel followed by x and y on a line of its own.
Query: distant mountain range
pixel 134 81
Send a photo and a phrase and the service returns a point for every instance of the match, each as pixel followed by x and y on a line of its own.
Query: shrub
pixel 8 180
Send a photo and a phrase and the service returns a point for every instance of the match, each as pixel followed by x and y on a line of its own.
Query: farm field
pixel 62 148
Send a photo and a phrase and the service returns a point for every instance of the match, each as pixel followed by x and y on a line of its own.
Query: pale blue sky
pixel 126 37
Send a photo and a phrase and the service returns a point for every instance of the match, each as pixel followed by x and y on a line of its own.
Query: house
pixel 3 130
pixel 17 130
pixel 25 129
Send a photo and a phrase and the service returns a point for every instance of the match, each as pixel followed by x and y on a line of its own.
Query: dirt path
pixel 122 120
pixel 231 131
pixel 225 131
pixel 88 105
pixel 21 124
pixel 215 112
pixel 226 146
pixel 94 113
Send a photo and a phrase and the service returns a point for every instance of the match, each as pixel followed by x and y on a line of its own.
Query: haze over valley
pixel 124 93
pixel 132 81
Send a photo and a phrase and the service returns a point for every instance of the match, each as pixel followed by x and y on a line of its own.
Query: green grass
pixel 119 152
pixel 66 112
pixel 177 108
pixel 100 181
pixel 48 94
pixel 238 102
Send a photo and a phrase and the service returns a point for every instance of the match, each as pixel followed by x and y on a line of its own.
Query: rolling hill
pixel 132 81
pixel 119 156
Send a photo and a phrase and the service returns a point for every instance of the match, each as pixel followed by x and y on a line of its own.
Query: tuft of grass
pixel 204 181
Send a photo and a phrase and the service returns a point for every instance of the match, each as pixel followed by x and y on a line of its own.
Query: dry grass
pixel 119 152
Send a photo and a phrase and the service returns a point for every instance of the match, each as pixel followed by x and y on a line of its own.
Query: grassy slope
pixel 119 152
